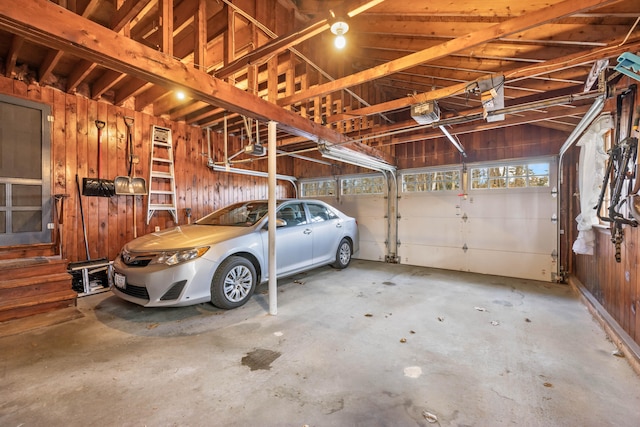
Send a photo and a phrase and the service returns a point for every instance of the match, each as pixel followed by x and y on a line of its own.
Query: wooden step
pixel 28 306
pixel 30 267
pixel 34 286
pixel 27 251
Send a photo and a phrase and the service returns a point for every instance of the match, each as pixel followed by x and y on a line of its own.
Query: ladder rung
pixel 159 159
pixel 156 174
pixel 161 144
pixel 161 192
pixel 155 207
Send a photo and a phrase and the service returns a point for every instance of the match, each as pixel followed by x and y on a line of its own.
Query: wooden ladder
pixel 162 183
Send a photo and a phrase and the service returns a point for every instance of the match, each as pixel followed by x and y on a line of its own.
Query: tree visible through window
pixel 510 176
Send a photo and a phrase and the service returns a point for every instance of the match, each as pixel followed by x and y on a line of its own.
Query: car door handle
pixel 307 231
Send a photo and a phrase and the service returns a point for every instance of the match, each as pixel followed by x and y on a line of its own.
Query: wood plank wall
pixel 615 285
pixel 110 221
pixel 512 142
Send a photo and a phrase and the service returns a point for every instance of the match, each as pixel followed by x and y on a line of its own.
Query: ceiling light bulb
pixel 340 42
pixel 180 95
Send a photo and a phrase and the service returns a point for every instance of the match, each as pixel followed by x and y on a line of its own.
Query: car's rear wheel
pixel 233 283
pixel 343 255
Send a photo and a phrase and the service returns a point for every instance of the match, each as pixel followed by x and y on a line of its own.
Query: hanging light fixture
pixel 339 27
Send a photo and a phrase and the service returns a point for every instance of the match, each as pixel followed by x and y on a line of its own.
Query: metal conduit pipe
pixel 221 168
pixel 575 135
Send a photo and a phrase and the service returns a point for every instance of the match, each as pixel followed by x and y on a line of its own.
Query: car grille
pixel 174 291
pixel 138 260
pixel 135 291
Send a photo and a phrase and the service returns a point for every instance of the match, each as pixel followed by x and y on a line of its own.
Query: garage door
pixel 362 197
pixel 504 225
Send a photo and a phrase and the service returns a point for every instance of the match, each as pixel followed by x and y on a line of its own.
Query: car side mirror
pixel 279 223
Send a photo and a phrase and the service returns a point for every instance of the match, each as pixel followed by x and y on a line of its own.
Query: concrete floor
pixel 373 345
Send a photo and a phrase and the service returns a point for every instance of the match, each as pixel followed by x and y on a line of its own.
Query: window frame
pixel 44 235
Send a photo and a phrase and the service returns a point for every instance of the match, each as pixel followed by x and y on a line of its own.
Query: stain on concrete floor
pixel 260 359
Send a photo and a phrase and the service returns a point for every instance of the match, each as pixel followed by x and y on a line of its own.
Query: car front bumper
pixel 164 286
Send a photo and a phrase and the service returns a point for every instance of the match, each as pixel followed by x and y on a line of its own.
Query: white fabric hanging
pixel 591 173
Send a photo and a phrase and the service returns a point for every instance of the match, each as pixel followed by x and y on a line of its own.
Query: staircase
pixel 34 285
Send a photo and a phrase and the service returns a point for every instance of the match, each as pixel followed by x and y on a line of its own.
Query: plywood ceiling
pixel 226 54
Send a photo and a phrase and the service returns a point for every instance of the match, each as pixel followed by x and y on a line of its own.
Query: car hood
pixel 186 236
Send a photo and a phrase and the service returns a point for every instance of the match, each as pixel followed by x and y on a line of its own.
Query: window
pixel 517 175
pixel 320 213
pixel 363 185
pixel 293 214
pixel 606 195
pixel 25 199
pixel 321 188
pixel 431 181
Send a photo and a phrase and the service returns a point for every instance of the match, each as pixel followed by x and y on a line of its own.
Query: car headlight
pixel 177 257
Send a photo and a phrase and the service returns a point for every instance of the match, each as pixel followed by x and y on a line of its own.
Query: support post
pixel 271 160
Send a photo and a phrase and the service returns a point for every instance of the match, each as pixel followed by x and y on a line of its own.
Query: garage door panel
pixel 518 234
pixel 371 251
pixel 371 213
pixel 511 264
pixel 432 206
pixel 507 205
pixel 448 258
pixel 435 231
pixel 372 229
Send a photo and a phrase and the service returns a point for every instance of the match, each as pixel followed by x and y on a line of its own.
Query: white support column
pixel 271 159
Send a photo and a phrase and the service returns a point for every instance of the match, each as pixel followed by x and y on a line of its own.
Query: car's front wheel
pixel 343 255
pixel 233 283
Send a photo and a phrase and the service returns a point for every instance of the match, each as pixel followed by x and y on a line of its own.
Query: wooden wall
pixel 110 221
pixel 490 145
pixel 616 286
pixel 498 144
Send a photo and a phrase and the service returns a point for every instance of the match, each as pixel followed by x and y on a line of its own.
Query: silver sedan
pixel 224 256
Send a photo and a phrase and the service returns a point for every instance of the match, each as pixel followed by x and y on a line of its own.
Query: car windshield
pixel 243 214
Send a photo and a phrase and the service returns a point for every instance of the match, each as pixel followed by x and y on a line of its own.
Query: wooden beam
pixel 493 32
pixel 105 82
pixel 12 56
pixel 402 102
pixel 49 63
pixel 482 125
pixel 165 9
pixel 127 12
pixel 284 42
pixel 200 36
pixel 132 88
pixel 91 6
pixel 188 109
pixel 166 103
pixel 79 73
pixel 150 96
pixel 551 66
pixel 568 61
pixel 45 23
